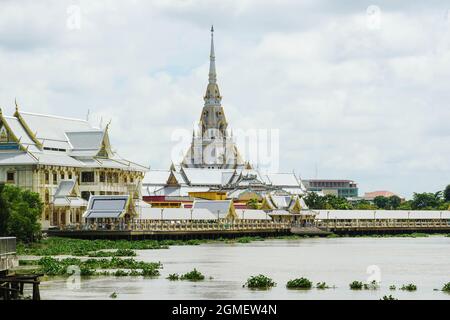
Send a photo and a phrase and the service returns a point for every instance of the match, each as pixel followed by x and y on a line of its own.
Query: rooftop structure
pixel 66 161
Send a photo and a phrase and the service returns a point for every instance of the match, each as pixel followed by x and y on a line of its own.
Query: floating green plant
pixel 300 283
pixel 409 287
pixel 173 277
pixel 193 275
pixel 260 282
pixel 356 285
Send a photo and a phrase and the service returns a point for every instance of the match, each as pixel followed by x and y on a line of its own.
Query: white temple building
pixel 65 161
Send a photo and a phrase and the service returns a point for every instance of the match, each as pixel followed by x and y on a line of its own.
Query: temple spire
pixel 212 60
pixel 212 96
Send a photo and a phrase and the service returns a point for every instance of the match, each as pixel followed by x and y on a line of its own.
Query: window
pixel 10 176
pixel 47 178
pixel 62 175
pixel 70 175
pixel 115 177
pixel 102 176
pixel 55 178
pixel 85 195
pixel 87 177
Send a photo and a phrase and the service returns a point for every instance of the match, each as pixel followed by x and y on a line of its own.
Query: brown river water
pixel 424 262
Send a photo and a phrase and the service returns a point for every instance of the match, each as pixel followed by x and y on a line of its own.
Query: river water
pixel 337 261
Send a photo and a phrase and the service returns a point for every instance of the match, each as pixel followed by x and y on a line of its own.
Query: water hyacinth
pixel 54 267
pixel 193 275
pixel 409 287
pixel 356 285
pixel 300 283
pixel 260 282
pixel 173 277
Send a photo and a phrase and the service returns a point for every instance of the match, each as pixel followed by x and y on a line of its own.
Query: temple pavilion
pixel 65 161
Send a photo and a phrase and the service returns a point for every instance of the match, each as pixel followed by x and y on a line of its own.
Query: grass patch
pixel 117 253
pixel 54 246
pixel 260 282
pixel 300 283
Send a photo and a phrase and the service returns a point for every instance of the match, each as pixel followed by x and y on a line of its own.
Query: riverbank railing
pixel 7 246
pixel 362 224
pixel 8 257
pixel 157 226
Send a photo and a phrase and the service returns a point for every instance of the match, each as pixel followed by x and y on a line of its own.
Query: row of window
pixel 86 177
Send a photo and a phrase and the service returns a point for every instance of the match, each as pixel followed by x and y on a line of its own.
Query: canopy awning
pixel 107 207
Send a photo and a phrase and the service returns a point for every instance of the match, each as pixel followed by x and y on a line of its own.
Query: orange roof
pixel 374 194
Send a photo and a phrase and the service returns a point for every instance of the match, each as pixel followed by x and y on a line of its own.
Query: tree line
pixel 420 201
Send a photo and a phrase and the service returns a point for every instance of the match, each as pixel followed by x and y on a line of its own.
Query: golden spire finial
pixel 17 105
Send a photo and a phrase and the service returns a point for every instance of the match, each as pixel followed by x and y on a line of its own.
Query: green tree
pixel 381 202
pixel 394 202
pixel 337 203
pixel 405 205
pixel 426 201
pixel 314 201
pixel 19 213
pixel 364 205
pixel 447 193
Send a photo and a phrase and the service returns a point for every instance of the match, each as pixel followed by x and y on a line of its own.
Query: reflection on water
pixel 337 261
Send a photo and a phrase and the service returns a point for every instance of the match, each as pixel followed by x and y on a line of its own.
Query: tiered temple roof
pixel 38 139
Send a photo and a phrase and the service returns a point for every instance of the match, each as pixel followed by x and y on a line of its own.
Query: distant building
pixel 340 188
pixel 369 196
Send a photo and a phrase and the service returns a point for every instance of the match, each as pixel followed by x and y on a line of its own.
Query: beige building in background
pixel 64 160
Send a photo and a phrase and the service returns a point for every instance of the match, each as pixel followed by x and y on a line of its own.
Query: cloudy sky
pixel 358 89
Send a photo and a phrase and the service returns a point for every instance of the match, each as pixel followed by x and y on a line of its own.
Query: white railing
pixel 362 224
pixel 154 225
